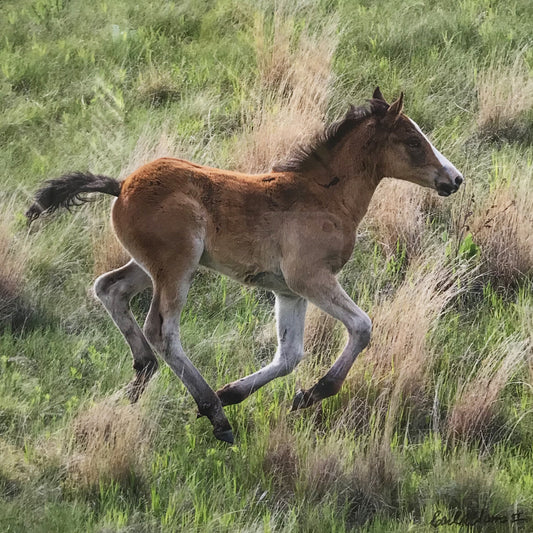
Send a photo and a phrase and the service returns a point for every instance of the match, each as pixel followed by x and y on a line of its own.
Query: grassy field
pixel 435 422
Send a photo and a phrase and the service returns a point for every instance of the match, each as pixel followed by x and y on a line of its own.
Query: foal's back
pixel 242 221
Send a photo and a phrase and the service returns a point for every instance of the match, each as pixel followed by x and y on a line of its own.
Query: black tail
pixel 66 192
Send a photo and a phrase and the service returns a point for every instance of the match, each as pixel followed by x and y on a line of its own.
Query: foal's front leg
pixel 324 291
pixel 290 319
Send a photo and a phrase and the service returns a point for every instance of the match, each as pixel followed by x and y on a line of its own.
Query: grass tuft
pixel 400 355
pixel 397 216
pixel 280 462
pixel 14 255
pixel 477 400
pixel 502 221
pixel 292 93
pixel 505 94
pixel 110 442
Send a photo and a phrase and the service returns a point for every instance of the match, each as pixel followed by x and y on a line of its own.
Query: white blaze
pixel 442 160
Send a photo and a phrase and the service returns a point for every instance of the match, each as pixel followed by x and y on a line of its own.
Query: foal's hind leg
pixel 163 331
pixel 290 317
pixel 325 292
pixel 115 290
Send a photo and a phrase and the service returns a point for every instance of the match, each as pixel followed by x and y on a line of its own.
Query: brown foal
pixel 289 231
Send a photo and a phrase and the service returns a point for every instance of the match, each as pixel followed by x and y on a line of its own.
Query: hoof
pixel 135 389
pixel 230 395
pixel 302 399
pixel 226 436
pixel 325 388
pixel 132 394
pixel 138 384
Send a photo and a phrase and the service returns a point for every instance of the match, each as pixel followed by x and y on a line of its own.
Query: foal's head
pixel 394 146
pixel 406 153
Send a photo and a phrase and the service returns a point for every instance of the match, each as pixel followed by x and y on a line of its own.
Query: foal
pixel 289 231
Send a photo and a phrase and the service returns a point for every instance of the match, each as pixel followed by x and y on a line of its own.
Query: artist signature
pixel 483 517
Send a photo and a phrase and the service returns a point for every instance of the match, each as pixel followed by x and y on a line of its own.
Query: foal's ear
pixel 396 107
pixel 377 95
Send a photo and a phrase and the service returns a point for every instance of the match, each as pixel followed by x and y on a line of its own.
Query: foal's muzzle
pixel 448 181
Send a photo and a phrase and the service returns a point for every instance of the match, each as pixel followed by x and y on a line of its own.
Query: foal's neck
pixel 352 173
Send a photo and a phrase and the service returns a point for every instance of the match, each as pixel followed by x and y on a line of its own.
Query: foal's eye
pixel 414 143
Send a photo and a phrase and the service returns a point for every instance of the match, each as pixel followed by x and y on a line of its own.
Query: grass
pixel 500 220
pixel 435 420
pixel 14 310
pixel 505 97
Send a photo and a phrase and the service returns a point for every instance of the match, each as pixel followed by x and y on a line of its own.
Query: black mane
pixel 316 151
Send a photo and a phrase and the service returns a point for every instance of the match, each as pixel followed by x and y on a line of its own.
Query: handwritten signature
pixel 484 517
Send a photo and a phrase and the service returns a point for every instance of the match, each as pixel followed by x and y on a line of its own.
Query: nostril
pixel 458 180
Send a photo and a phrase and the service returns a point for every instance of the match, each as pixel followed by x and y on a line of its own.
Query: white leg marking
pixel 290 316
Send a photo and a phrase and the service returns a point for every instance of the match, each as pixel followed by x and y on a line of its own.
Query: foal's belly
pixel 248 275
pixel 267 280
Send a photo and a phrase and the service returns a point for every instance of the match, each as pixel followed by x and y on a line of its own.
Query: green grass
pixel 100 86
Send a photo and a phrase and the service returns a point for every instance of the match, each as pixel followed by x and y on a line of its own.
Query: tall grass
pixel 476 403
pixel 393 382
pixel 14 308
pixel 292 90
pixel 398 216
pixel 501 220
pixel 400 350
pixel 505 92
pixel 109 443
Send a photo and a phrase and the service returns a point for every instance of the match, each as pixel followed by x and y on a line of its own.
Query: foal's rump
pixel 170 208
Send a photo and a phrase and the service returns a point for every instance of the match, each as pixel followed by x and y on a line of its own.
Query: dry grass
pixel 501 224
pixel 109 442
pixel 327 470
pixel 14 253
pixel 362 483
pixel 503 230
pixel 504 93
pixel 273 50
pixel 294 86
pixel 394 374
pixel 397 215
pixel 108 253
pixel 322 468
pixel 476 402
pixel 280 462
pixel 154 142
pixel 400 351
pixel 323 335
pixel 376 477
